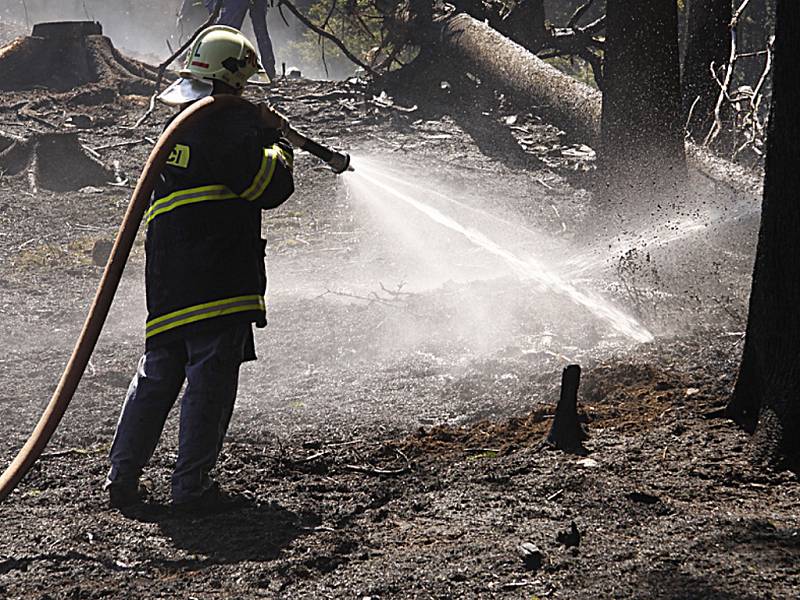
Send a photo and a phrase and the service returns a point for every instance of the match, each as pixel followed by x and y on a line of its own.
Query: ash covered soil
pixel 388 437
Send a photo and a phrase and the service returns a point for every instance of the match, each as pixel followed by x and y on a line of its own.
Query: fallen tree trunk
pixel 505 65
pixel 562 100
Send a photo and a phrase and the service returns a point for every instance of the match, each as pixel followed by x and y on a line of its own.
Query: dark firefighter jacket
pixel 205 256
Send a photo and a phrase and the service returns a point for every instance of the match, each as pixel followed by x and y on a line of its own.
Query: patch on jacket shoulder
pixel 179 157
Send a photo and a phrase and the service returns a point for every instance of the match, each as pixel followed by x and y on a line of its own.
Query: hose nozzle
pixel 339 162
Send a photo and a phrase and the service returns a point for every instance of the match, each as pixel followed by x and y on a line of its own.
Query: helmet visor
pixel 260 77
pixel 185 90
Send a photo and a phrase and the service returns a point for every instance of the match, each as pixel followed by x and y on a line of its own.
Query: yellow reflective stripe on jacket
pixel 190 196
pixel 266 171
pixel 200 312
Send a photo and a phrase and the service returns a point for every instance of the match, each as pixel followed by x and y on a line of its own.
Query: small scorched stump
pixel 53 161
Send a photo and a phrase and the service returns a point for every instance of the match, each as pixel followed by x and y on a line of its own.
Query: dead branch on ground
pixel 395 298
pixel 348 456
pixel 379 472
pixel 368 469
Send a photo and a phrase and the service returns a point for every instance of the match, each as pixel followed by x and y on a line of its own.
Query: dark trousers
pixel 232 15
pixel 209 363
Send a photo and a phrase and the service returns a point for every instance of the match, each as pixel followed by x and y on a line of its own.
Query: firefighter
pixel 205 274
pixel 232 15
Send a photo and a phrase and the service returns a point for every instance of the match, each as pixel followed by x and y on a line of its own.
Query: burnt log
pixel 565 102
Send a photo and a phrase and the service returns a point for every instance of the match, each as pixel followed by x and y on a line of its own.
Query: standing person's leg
pixel 258 15
pixel 150 397
pixel 232 13
pixel 212 374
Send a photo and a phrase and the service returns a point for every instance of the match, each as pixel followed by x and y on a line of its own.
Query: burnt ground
pixel 388 439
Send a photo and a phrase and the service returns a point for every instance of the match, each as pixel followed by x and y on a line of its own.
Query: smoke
pixel 144 28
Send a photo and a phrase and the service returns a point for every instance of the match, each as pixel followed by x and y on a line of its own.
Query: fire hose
pixel 93 325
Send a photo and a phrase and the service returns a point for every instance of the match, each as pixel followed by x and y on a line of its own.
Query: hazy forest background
pixel 132 26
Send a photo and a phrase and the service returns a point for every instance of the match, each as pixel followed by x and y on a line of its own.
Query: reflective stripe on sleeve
pixel 266 171
pixel 200 312
pixel 264 175
pixel 190 196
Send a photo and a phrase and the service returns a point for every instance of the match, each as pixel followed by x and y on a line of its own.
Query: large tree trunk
pixel 642 150
pixel 707 41
pixel 767 393
pixel 472 46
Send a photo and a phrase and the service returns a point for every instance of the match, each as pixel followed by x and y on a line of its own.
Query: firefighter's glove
pixel 271 118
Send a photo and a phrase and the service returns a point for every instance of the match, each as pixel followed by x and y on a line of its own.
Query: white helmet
pixel 219 53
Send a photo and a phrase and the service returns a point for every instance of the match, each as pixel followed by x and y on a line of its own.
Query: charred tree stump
pixel 63 56
pixel 466 44
pixel 566 432
pixel 53 161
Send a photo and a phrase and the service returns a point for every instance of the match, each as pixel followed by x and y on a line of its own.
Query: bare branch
pixel 717 127
pixel 364 25
pixel 27 16
pixel 329 15
pixel 162 68
pixel 594 27
pixel 752 54
pixel 576 16
pixel 578 41
pixel 738 14
pixel 327 35
pixel 752 125
pixel 757 93
pixel 321 43
pixel 280 12
pixel 687 132
pixel 746 120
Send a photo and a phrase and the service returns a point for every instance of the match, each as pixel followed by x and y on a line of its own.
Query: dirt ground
pixel 388 438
